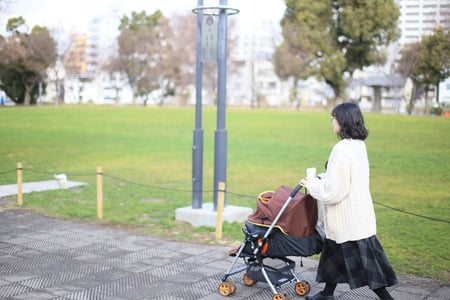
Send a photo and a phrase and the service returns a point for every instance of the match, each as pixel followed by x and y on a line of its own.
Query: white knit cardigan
pixel 345 193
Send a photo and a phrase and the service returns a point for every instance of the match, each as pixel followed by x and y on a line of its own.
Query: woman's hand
pixel 304 182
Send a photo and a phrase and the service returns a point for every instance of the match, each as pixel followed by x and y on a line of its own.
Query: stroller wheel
pixel 227 288
pixel 280 296
pixel 302 288
pixel 248 281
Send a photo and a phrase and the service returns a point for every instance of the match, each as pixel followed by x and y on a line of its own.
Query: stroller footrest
pixel 277 278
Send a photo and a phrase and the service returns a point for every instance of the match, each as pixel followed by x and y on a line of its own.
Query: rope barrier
pixel 52 173
pixel 410 213
pixel 208 192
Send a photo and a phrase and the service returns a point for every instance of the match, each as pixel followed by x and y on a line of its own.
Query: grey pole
pixel 220 146
pixel 197 148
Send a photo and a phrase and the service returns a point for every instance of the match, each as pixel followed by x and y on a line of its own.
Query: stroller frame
pixel 257 270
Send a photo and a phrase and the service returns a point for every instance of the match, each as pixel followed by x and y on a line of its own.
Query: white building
pixel 93 85
pixel 102 37
pixel 255 82
pixel 419 18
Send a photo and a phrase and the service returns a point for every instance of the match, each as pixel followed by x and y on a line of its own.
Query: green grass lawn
pixel 146 156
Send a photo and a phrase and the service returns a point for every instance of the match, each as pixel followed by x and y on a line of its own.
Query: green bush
pixel 436 110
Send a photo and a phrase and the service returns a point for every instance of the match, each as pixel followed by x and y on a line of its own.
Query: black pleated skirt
pixel 358 263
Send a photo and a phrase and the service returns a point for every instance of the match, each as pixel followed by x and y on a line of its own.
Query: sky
pixel 77 13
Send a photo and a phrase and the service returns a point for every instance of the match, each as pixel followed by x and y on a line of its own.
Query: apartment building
pixel 420 17
pixel 255 83
pixel 75 61
pixel 92 83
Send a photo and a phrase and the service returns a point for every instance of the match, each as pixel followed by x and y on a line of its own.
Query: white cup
pixel 311 173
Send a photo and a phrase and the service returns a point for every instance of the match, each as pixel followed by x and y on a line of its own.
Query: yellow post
pixel 19 184
pixel 220 204
pixel 99 193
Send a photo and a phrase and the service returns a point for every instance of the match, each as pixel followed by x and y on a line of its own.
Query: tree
pixel 291 59
pixel 57 73
pixel 24 60
pixel 410 56
pixel 435 64
pixel 146 55
pixel 341 35
pixel 427 63
pixel 184 44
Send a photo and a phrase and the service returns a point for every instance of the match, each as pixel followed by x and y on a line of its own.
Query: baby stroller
pixel 283 225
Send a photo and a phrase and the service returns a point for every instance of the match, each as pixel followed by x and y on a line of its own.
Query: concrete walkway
pixel 38 186
pixel 48 258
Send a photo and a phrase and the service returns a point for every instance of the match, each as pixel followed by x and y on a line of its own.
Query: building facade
pixel 419 18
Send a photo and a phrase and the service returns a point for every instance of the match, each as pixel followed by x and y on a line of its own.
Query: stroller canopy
pixel 299 218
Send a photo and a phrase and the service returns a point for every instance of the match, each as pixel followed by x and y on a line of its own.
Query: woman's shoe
pixel 318 296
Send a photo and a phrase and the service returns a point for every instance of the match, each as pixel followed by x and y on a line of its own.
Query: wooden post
pixel 19 184
pixel 220 204
pixel 99 193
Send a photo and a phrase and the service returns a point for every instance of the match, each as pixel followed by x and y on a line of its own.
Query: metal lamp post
pixel 211 46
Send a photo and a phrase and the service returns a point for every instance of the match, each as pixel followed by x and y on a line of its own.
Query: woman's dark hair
pixel 350 119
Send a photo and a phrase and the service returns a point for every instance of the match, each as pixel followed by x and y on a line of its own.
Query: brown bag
pixel 299 218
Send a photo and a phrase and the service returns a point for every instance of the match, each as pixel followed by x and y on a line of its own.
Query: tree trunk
pixel 295 93
pixel 437 92
pixel 411 101
pixel 27 99
pixel 376 105
pixel 337 95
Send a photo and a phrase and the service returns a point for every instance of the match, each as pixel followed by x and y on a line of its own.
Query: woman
pixel 351 253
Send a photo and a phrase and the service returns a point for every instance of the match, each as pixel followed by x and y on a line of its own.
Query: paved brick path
pixel 47 258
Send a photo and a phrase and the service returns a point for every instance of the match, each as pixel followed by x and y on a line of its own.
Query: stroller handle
pixel 296 190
